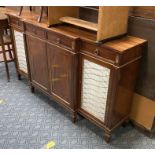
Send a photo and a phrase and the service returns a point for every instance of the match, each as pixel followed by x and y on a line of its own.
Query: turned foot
pixel 125 123
pixel 32 89
pixel 19 77
pixel 107 137
pixel 74 117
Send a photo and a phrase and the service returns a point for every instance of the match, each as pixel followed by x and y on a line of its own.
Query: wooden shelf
pixel 81 23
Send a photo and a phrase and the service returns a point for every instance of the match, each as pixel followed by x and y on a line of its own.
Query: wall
pixel 142 24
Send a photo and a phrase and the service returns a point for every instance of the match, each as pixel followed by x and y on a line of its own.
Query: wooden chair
pixel 42 9
pixel 6 43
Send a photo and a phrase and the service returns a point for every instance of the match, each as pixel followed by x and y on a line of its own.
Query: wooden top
pixel 3 16
pixel 80 23
pixel 119 45
pixel 26 16
pixel 75 32
pixel 124 43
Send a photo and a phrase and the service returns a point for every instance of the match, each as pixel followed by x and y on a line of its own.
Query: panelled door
pixel 38 61
pixel 61 68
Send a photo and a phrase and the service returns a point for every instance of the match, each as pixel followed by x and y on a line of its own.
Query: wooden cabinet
pixel 38 62
pixel 94 80
pixel 63 74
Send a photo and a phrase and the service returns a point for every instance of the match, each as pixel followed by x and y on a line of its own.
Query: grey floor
pixel 32 120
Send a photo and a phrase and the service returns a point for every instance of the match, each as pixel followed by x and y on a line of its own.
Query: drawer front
pixel 20 51
pixel 98 51
pixel 62 40
pixel 36 31
pixel 131 55
pixel 95 84
pixel 16 22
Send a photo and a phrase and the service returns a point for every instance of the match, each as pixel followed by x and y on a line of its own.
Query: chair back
pixel 4 29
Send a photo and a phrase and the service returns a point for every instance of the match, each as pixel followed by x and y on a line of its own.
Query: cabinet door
pixel 20 51
pixel 62 66
pixel 94 87
pixel 38 61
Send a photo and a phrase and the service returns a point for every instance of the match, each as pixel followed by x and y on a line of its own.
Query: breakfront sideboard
pixel 93 79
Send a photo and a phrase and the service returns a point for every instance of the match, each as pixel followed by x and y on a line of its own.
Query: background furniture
pixel 6 43
pixel 42 9
pixel 103 22
pixel 142 24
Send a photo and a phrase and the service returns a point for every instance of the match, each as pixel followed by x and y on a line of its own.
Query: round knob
pixel 58 40
pixel 17 23
pixel 96 51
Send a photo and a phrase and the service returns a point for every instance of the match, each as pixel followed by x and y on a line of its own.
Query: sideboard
pixel 95 80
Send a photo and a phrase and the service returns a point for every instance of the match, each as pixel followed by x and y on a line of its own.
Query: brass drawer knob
pixel 96 52
pixel 58 40
pixel 117 59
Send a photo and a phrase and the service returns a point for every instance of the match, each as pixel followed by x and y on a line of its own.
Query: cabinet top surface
pixel 119 45
pixel 3 16
pixel 125 43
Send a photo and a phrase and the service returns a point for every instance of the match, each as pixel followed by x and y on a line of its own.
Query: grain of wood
pixel 112 21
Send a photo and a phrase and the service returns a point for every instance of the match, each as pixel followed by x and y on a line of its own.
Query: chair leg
pixel 6 64
pixel 10 52
pixel 20 12
pixel 15 57
pixel 41 14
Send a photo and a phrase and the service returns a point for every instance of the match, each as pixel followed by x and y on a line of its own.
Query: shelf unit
pixel 80 23
pixel 106 21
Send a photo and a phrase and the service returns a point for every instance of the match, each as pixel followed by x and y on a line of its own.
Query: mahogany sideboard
pixel 64 62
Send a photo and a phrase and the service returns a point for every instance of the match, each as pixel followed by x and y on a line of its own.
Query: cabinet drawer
pixel 34 30
pixel 63 41
pixel 16 22
pixel 98 51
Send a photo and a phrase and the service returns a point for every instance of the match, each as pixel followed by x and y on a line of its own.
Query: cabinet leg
pixel 125 123
pixel 19 77
pixel 74 117
pixel 107 137
pixel 32 89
